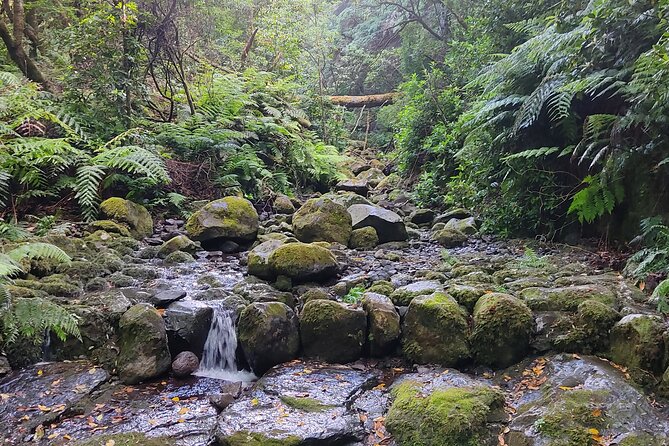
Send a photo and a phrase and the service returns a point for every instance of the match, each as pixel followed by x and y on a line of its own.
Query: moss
pixel 314 294
pixel 55 285
pixel 134 215
pixel 244 438
pixel 304 403
pixel 109 226
pixel 140 272
pixel 404 295
pixel 636 343
pixel 445 417
pixel 232 218
pixel 86 270
pixel 382 287
pixel 643 439
pixel 126 439
pixel 449 238
pixel 321 219
pixel 121 280
pixel 178 257
pixel 364 238
pixel 467 295
pixel 178 243
pixel 303 261
pixel 567 298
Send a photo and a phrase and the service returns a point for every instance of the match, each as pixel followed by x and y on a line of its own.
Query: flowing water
pixel 219 359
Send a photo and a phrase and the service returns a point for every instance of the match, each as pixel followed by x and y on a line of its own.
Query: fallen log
pixel 372 100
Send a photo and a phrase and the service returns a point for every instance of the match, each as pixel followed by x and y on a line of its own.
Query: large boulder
pixel 134 215
pixel 258 259
pixel 268 335
pixel 180 243
pixel 637 343
pixel 502 328
pixel 403 295
pixel 449 238
pixel 228 219
pixel 143 351
pixel 303 262
pixel 567 298
pixel 372 176
pixel 364 238
pixel 466 225
pixel 187 324
pixel 332 331
pixel 389 226
pixel 322 220
pixel 435 331
pixel 383 322
pixel 284 205
pixel 360 187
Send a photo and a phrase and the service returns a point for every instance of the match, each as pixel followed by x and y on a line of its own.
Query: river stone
pixel 360 187
pixel 346 199
pixel 187 324
pixel 178 243
pixel 332 331
pixel 5 368
pixel 435 331
pixel 449 238
pixel 389 226
pixel 300 403
pixel 109 226
pixel 268 335
pixel 467 225
pixel 422 216
pixel 403 295
pixel 383 322
pixel 373 176
pixel 322 220
pixel 303 262
pixel 637 343
pixel 364 238
pixel 502 328
pixel 185 364
pixel 143 351
pixel 445 408
pixel 163 298
pixel 574 395
pixel 258 259
pixel 283 205
pixel 228 219
pixel 567 298
pixel 458 213
pixel 132 214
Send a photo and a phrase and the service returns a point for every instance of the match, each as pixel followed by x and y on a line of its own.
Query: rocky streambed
pixel 363 324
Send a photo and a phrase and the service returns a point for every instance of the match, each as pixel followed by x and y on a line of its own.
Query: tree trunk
pixel 372 100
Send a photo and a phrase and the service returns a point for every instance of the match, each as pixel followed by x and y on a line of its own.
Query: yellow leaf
pixel 110 443
pixel 183 410
pixel 597 413
pixel 181 420
pixel 39 432
pixel 4 396
pixel 255 402
pixel 67 437
pixel 566 388
pixel 43 408
pixel 52 436
pixel 176 399
pixel 40 372
pixel 379 387
pixel 593 431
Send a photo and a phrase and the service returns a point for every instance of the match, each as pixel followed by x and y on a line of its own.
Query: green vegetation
pixel 354 295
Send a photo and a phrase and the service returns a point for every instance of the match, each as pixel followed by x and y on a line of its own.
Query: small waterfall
pixel 219 359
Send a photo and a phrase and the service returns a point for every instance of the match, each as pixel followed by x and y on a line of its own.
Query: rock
pixel 178 257
pixel 389 226
pixel 450 409
pixel 502 328
pixel 567 298
pixel 320 219
pixel 346 199
pixel 383 322
pixel 110 227
pixel 308 415
pixel 268 334
pixel 314 294
pixel 263 292
pixel 187 324
pixel 178 243
pixel 422 216
pixel 258 259
pixel 578 395
pixel 458 213
pixel 467 226
pixel 132 214
pixel 637 343
pixel 364 238
pixel 222 400
pixel 449 238
pixel 283 205
pixel 467 295
pixel 228 219
pixel 185 364
pixel 382 287
pixel 143 351
pixel 163 298
pixel 303 262
pixel 332 331
pixel 436 331
pixel 403 295
pixel 360 187
pixel 372 176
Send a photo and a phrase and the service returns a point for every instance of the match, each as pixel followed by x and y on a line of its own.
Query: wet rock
pixel 637 343
pixel 502 328
pixel 221 400
pixel 422 216
pixel 403 295
pixel 303 262
pixel 314 294
pixel 162 299
pixel 436 331
pixel 373 176
pixel 360 187
pixel 143 351
pixel 258 259
pixel 577 395
pixel 364 238
pixel 332 331
pixel 283 205
pixel 466 226
pixel 140 272
pixel 132 214
pixel 178 243
pixel 268 335
pixel 187 324
pixel 449 238
pixel 383 322
pixel 185 364
pixel 389 226
pixel 263 292
pixel 321 219
pixel 230 218
pixel 178 257
pixel 289 407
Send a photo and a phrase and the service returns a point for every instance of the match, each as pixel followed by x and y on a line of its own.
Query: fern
pixel 661 295
pixel 595 200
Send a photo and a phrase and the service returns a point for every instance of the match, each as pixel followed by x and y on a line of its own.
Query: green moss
pixel 636 343
pixel 566 299
pixel 232 218
pixel 445 417
pixel 243 438
pixel 466 295
pixel 364 238
pixel 109 226
pixel 126 439
pixel 134 215
pixel 303 261
pixel 321 219
pixel 305 404
pixel 643 439
pixel 178 257
pixel 382 287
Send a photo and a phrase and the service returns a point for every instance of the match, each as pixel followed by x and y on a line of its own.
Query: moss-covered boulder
pixel 382 287
pixel 383 322
pixel 178 257
pixel 258 259
pixel 448 416
pixel 466 226
pixel 567 298
pixel 178 243
pixel 126 439
pixel 110 227
pixel 143 351
pixel 436 331
pixel 321 219
pixel 228 219
pixel 637 343
pixel 132 214
pixel 268 335
pixel 372 176
pixel 389 226
pixel 283 205
pixel 467 295
pixel 449 238
pixel 403 295
pixel 364 238
pixel 303 262
pixel 332 331
pixel 502 328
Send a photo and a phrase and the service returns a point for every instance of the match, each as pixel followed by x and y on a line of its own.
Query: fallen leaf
pixel 379 387
pixel 43 408
pixel 181 420
pixel 39 432
pixel 176 399
pixel 255 402
pixel 597 413
pixel 110 443
pixel 566 388
pixel 52 436
pixel 183 410
pixel 593 431
pixel 40 372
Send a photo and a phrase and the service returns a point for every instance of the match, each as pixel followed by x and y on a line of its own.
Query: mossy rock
pixel 86 270
pixel 178 243
pixel 320 219
pixel 315 294
pixel 403 296
pixel 230 218
pixel 567 298
pixel 467 295
pixel 110 227
pixel 283 205
pixel 258 259
pixel 126 439
pixel 178 257
pixel 120 280
pixel 502 328
pixel 140 272
pixel 444 417
pixel 383 322
pixel 466 226
pixel 449 238
pixel 304 404
pixel 132 214
pixel 332 331
pixel 57 285
pixel 436 331
pixel 303 262
pixel 637 343
pixel 364 238
pixel 382 287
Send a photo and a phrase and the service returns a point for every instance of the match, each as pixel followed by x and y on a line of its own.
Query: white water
pixel 219 356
